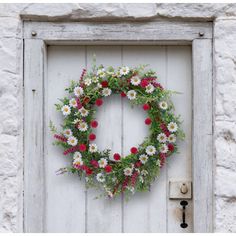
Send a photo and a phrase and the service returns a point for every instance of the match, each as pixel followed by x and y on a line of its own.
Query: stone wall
pixel 11 93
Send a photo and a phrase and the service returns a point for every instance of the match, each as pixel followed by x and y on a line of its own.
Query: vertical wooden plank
pixel 104 215
pixel 146 212
pixel 33 136
pixel 65 194
pixel 179 78
pixel 202 135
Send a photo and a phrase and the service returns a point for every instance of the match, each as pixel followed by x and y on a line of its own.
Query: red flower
pixel 79 105
pixel 144 83
pixel 146 107
pixel 99 102
pixel 94 124
pixel 82 147
pixel 167 133
pixel 134 150
pixel 89 171
pixel 171 147
pixel 94 163
pixel 163 127
pixel 116 156
pixel 162 156
pixel 148 121
pixel 104 84
pixel 138 163
pixel 108 169
pixel 122 94
pixel 92 137
pixel 59 137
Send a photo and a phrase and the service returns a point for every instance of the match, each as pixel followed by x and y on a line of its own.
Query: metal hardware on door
pixel 184 188
pixel 180 189
pixel 183 204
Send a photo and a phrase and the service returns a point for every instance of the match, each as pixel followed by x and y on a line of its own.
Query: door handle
pixel 183 204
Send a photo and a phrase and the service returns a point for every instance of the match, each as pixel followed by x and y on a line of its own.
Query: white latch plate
pixel 175 189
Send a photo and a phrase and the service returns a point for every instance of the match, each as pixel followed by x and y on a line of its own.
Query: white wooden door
pixel 69 207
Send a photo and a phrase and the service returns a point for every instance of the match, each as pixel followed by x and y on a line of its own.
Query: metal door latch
pixel 180 189
pixel 183 204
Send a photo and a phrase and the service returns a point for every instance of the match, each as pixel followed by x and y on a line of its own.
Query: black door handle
pixel 183 204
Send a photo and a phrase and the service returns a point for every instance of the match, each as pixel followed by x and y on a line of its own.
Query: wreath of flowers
pixel 117 174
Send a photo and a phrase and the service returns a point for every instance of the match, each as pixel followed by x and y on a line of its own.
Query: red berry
pixel 104 84
pixel 99 102
pixel 134 150
pixel 146 107
pixel 163 127
pixel 122 94
pixel 171 147
pixel 89 171
pixel 82 147
pixel 138 163
pixel 116 156
pixel 108 169
pixel 148 121
pixel 144 83
pixel 162 156
pixel 94 124
pixel 92 137
pixel 94 163
pixel 167 133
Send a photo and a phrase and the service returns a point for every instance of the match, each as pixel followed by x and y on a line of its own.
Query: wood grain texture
pixel 202 135
pixel 113 31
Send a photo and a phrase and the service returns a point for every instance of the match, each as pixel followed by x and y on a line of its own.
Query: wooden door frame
pixel 37 35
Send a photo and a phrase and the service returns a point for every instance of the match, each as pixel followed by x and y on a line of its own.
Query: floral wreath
pixel 117 174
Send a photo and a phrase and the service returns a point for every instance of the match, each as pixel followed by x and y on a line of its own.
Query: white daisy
pixel 87 81
pixel 163 148
pixel 101 73
pixel 131 94
pixel 144 172
pixel 161 138
pixel 78 91
pixel 73 103
pixel 93 147
pixel 72 141
pixel 172 138
pixel 94 79
pixel 83 111
pixel 149 88
pixel 75 121
pixel 128 171
pixel 163 105
pixel 106 92
pixel 143 158
pixel 78 161
pixel 172 127
pixel 67 133
pixel 150 150
pixel 100 177
pixel 82 126
pixel 102 163
pixel 135 80
pixel 77 155
pixel 124 70
pixel 66 110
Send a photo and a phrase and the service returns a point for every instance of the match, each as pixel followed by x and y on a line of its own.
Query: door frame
pixel 38 35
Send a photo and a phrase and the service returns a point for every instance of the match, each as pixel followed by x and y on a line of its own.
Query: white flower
pixel 128 171
pixel 172 138
pixel 101 73
pixel 66 110
pixel 163 148
pixel 143 158
pixel 78 91
pixel 82 126
pixel 149 88
pixel 78 161
pixel 163 105
pixel 102 163
pixel 124 70
pixel 87 81
pixel 150 150
pixel 135 80
pixel 67 133
pixel 95 79
pixel 144 172
pixel 72 141
pixel 99 86
pixel 106 92
pixel 83 111
pixel 93 147
pixel 73 103
pixel 75 121
pixel 100 177
pixel 131 94
pixel 77 155
pixel 161 138
pixel 172 127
